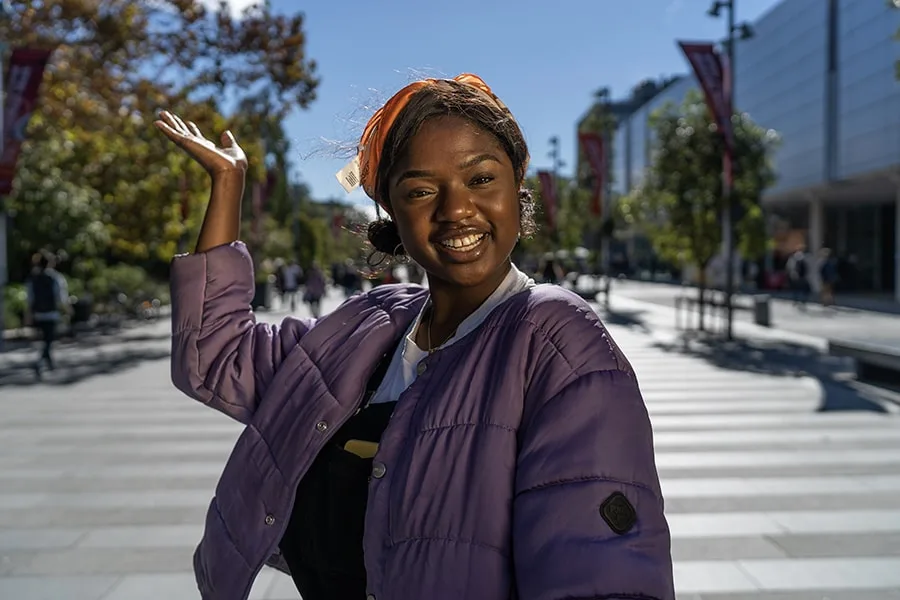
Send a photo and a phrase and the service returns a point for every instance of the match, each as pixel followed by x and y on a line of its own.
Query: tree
pixel 49 211
pixel 573 205
pixel 679 203
pixel 116 63
pixel 112 47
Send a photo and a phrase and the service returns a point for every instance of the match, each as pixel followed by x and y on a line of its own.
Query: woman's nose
pixel 456 203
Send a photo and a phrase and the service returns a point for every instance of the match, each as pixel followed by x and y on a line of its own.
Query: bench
pixel 876 363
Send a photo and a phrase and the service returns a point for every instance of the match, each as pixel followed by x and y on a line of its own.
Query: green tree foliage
pixel 115 64
pixel 679 203
pixel 50 208
pixel 571 218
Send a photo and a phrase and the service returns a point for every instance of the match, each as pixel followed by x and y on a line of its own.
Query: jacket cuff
pixel 199 281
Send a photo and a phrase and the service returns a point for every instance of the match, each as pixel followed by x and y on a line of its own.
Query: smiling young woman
pixel 481 438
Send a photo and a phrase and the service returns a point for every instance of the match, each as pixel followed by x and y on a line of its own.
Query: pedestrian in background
pixel 482 438
pixel 798 277
pixel 316 288
pixel 47 299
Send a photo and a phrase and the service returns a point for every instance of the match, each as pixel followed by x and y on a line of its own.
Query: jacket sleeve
pixel 588 513
pixel 221 355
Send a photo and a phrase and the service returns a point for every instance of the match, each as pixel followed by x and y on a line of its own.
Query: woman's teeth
pixel 463 243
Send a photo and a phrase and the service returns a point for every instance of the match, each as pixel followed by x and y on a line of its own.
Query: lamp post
pixel 5 12
pixel 741 31
pixel 557 165
pixel 554 155
pixel 603 96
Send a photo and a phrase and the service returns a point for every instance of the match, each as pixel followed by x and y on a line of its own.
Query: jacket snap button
pixel 270 520
pixel 322 426
pixel 378 470
pixel 421 367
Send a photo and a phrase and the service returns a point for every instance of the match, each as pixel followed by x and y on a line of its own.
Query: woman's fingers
pixel 228 140
pixel 175 122
pixel 168 130
pixel 184 128
pixel 194 129
pixel 169 119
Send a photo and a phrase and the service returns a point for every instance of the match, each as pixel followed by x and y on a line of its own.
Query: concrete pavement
pixel 782 479
pixel 814 320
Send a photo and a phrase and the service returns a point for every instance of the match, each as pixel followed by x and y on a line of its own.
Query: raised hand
pixel 229 157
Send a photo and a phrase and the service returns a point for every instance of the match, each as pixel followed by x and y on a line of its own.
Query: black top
pixel 323 542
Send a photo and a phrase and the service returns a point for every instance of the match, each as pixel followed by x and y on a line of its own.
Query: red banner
pixel 548 196
pixel 337 223
pixel 595 150
pixel 714 75
pixel 23 80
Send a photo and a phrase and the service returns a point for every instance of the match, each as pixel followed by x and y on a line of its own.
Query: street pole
pixel 728 208
pixel 557 165
pixel 4 259
pixel 729 192
pixel 605 242
pixel 5 12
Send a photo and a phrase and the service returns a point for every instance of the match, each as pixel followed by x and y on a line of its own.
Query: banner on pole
pixel 337 223
pixel 548 196
pixel 714 75
pixel 595 149
pixel 22 82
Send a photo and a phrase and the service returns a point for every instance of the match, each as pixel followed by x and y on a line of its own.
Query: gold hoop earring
pixel 400 257
pixel 375 264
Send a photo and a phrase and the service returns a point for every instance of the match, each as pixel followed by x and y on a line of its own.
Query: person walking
pixel 798 277
pixel 316 288
pixel 481 438
pixel 47 298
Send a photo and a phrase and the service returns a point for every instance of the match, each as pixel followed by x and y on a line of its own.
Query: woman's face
pixel 454 197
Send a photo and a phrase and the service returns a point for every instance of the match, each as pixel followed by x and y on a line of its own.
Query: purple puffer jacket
pixel 518 465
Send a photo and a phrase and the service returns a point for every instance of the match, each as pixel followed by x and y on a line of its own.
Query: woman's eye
pixel 482 179
pixel 418 194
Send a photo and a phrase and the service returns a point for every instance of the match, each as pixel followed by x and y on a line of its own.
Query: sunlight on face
pixel 454 196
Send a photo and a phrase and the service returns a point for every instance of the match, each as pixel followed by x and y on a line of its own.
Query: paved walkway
pixel 781 479
pixel 814 320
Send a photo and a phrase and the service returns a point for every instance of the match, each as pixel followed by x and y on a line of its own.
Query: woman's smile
pixel 464 247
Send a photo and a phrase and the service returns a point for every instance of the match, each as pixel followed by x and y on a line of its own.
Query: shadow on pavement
pixel 783 359
pixel 74 368
pixel 129 331
pixel 632 319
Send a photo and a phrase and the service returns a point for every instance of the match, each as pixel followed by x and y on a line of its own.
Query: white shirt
pixel 401 372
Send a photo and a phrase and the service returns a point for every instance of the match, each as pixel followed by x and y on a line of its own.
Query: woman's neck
pixel 452 304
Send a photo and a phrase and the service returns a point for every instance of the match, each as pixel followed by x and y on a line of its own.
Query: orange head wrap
pixel 371 144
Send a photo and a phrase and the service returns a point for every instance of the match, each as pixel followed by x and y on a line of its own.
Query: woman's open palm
pixel 215 159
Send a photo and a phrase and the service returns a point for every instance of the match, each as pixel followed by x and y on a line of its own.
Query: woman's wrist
pixel 229 176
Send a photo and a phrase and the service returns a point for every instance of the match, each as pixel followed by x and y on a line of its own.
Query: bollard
pixel 762 311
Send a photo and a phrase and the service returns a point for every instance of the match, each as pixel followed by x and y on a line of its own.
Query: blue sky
pixel 543 58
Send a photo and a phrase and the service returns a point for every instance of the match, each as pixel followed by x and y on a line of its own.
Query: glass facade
pixel 784 76
pixel 780 82
pixel 868 127
pixel 639 137
pixel 822 74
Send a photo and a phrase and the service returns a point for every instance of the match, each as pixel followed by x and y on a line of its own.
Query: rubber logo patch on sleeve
pixel 618 513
